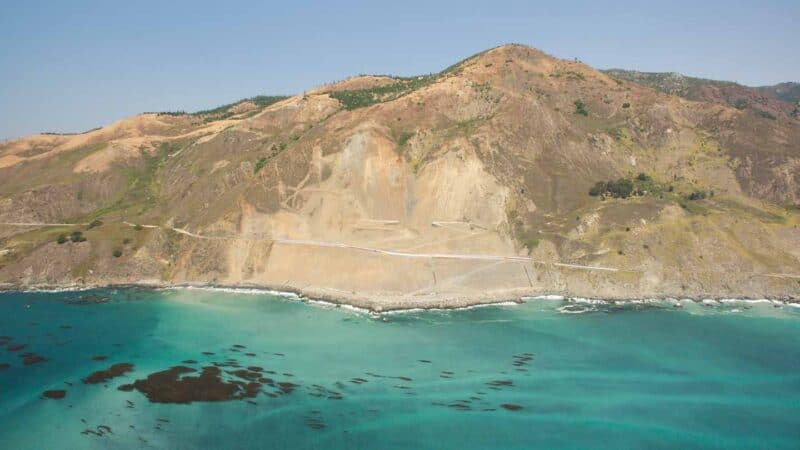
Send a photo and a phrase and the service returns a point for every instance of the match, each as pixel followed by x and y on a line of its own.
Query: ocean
pixel 190 368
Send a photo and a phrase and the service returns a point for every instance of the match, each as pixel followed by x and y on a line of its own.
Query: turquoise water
pixel 610 377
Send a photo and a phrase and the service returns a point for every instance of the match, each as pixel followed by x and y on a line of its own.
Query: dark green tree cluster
pixel 697 195
pixel 404 137
pixel 359 98
pixel 75 236
pixel 621 188
pixel 274 151
pixel 626 187
pixel 224 112
pixel 766 115
pixel 580 108
pixel 260 164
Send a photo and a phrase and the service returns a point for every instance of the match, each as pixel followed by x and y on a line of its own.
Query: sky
pixel 73 66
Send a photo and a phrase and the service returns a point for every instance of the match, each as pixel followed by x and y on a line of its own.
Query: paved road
pixel 396 253
pixel 313 243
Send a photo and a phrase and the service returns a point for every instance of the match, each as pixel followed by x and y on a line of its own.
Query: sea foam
pixel 235 290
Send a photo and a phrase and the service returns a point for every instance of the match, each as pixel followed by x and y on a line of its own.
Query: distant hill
pixel 769 101
pixel 509 173
pixel 788 92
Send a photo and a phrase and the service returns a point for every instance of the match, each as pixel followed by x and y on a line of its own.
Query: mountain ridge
pixel 781 98
pixel 496 155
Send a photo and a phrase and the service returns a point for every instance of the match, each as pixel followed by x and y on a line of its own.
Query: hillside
pixel 765 101
pixel 468 185
pixel 788 92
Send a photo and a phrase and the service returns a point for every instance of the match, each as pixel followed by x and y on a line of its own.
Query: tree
pixel 599 188
pixel 697 195
pixel 259 164
pixel 77 236
pixel 580 108
pixel 621 188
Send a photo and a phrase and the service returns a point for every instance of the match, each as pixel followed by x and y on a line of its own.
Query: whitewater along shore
pixel 380 303
pixel 375 276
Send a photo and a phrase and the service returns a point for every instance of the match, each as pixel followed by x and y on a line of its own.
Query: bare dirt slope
pixel 465 186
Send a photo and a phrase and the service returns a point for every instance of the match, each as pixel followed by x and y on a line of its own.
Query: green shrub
pixel 77 236
pixel 616 133
pixel 641 184
pixel 766 115
pixel 572 75
pixel 274 151
pixel 626 105
pixel 599 188
pixel 696 195
pixel 260 164
pixel 266 100
pixel 359 98
pixel 95 223
pixel 138 227
pixel 223 112
pixel 621 188
pixel 531 243
pixel 580 108
pixel 117 252
pixel 62 238
pixel 691 207
pixel 126 241
pixel 404 137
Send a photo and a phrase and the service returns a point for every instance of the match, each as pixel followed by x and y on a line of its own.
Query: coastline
pixel 378 303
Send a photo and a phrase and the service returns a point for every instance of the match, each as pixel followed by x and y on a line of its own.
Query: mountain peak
pixel 511 159
pixel 510 51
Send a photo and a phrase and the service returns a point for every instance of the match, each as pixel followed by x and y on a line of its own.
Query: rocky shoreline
pixel 382 303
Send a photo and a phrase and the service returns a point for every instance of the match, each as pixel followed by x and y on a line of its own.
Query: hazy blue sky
pixel 71 66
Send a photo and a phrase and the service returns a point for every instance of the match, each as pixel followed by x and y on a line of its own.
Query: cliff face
pixel 470 183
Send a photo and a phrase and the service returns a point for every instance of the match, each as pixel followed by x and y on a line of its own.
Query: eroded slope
pixel 469 185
